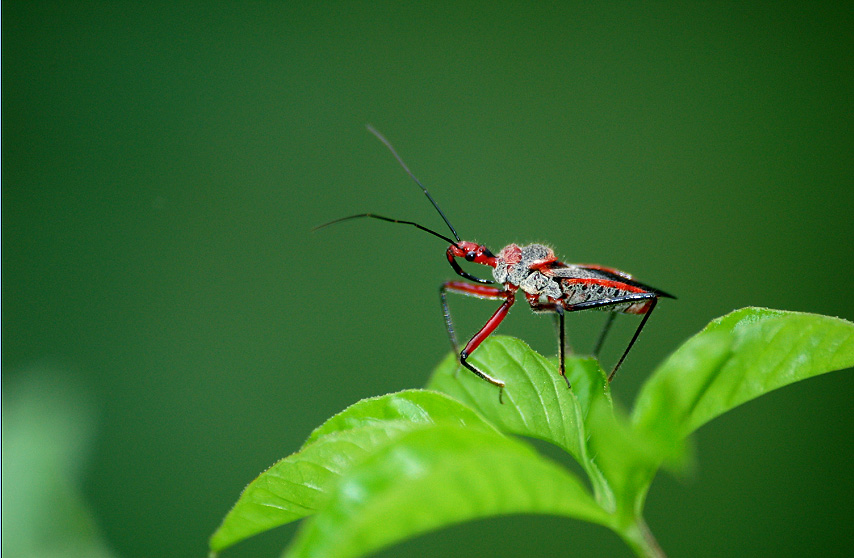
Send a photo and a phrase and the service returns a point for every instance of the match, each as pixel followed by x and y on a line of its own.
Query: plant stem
pixel 638 536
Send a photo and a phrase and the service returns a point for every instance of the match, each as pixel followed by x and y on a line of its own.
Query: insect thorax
pixel 514 265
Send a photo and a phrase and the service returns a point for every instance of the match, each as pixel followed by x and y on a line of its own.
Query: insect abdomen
pixel 583 290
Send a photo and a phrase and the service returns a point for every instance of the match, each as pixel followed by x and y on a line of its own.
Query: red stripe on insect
pixel 606 283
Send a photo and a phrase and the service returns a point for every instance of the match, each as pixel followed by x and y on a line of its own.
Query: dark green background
pixel 163 165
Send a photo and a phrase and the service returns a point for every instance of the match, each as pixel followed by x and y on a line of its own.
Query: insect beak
pixel 462 273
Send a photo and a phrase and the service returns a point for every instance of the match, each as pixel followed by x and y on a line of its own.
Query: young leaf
pixel 415 406
pixel 629 458
pixel 739 357
pixel 395 466
pixel 301 483
pixel 736 358
pixel 434 477
pixel 537 402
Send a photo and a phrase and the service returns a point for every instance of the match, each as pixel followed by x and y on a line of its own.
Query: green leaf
pixel 434 477
pixel 537 402
pixel 739 357
pixel 300 484
pixel 48 423
pixel 629 458
pixel 391 467
pixel 736 358
pixel 415 406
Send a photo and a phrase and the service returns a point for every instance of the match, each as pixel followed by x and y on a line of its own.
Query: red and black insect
pixel 547 284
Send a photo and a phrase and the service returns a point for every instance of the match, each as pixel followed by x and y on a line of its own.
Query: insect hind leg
pixel 652 299
pixel 634 338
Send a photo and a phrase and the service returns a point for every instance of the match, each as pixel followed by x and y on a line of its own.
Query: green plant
pixel 394 466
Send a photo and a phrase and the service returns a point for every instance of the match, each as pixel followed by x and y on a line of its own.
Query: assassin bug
pixel 547 284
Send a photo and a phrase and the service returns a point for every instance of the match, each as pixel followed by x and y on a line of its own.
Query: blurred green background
pixel 170 318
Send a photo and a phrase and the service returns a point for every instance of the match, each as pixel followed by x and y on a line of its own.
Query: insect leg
pixel 652 299
pixel 479 291
pixel 478 338
pixel 561 347
pixel 558 312
pixel 634 338
pixel 567 347
pixel 449 323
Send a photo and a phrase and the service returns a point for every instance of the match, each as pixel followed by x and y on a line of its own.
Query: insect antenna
pixel 387 143
pixel 390 220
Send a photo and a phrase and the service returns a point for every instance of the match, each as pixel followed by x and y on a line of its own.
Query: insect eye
pixel 470 256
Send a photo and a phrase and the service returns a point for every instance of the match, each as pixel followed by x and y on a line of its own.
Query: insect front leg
pixel 478 291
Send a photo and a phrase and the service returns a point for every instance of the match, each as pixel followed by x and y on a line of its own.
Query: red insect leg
pixel 479 291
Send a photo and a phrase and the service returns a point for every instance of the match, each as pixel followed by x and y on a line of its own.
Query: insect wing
pixel 609 273
pixel 583 285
